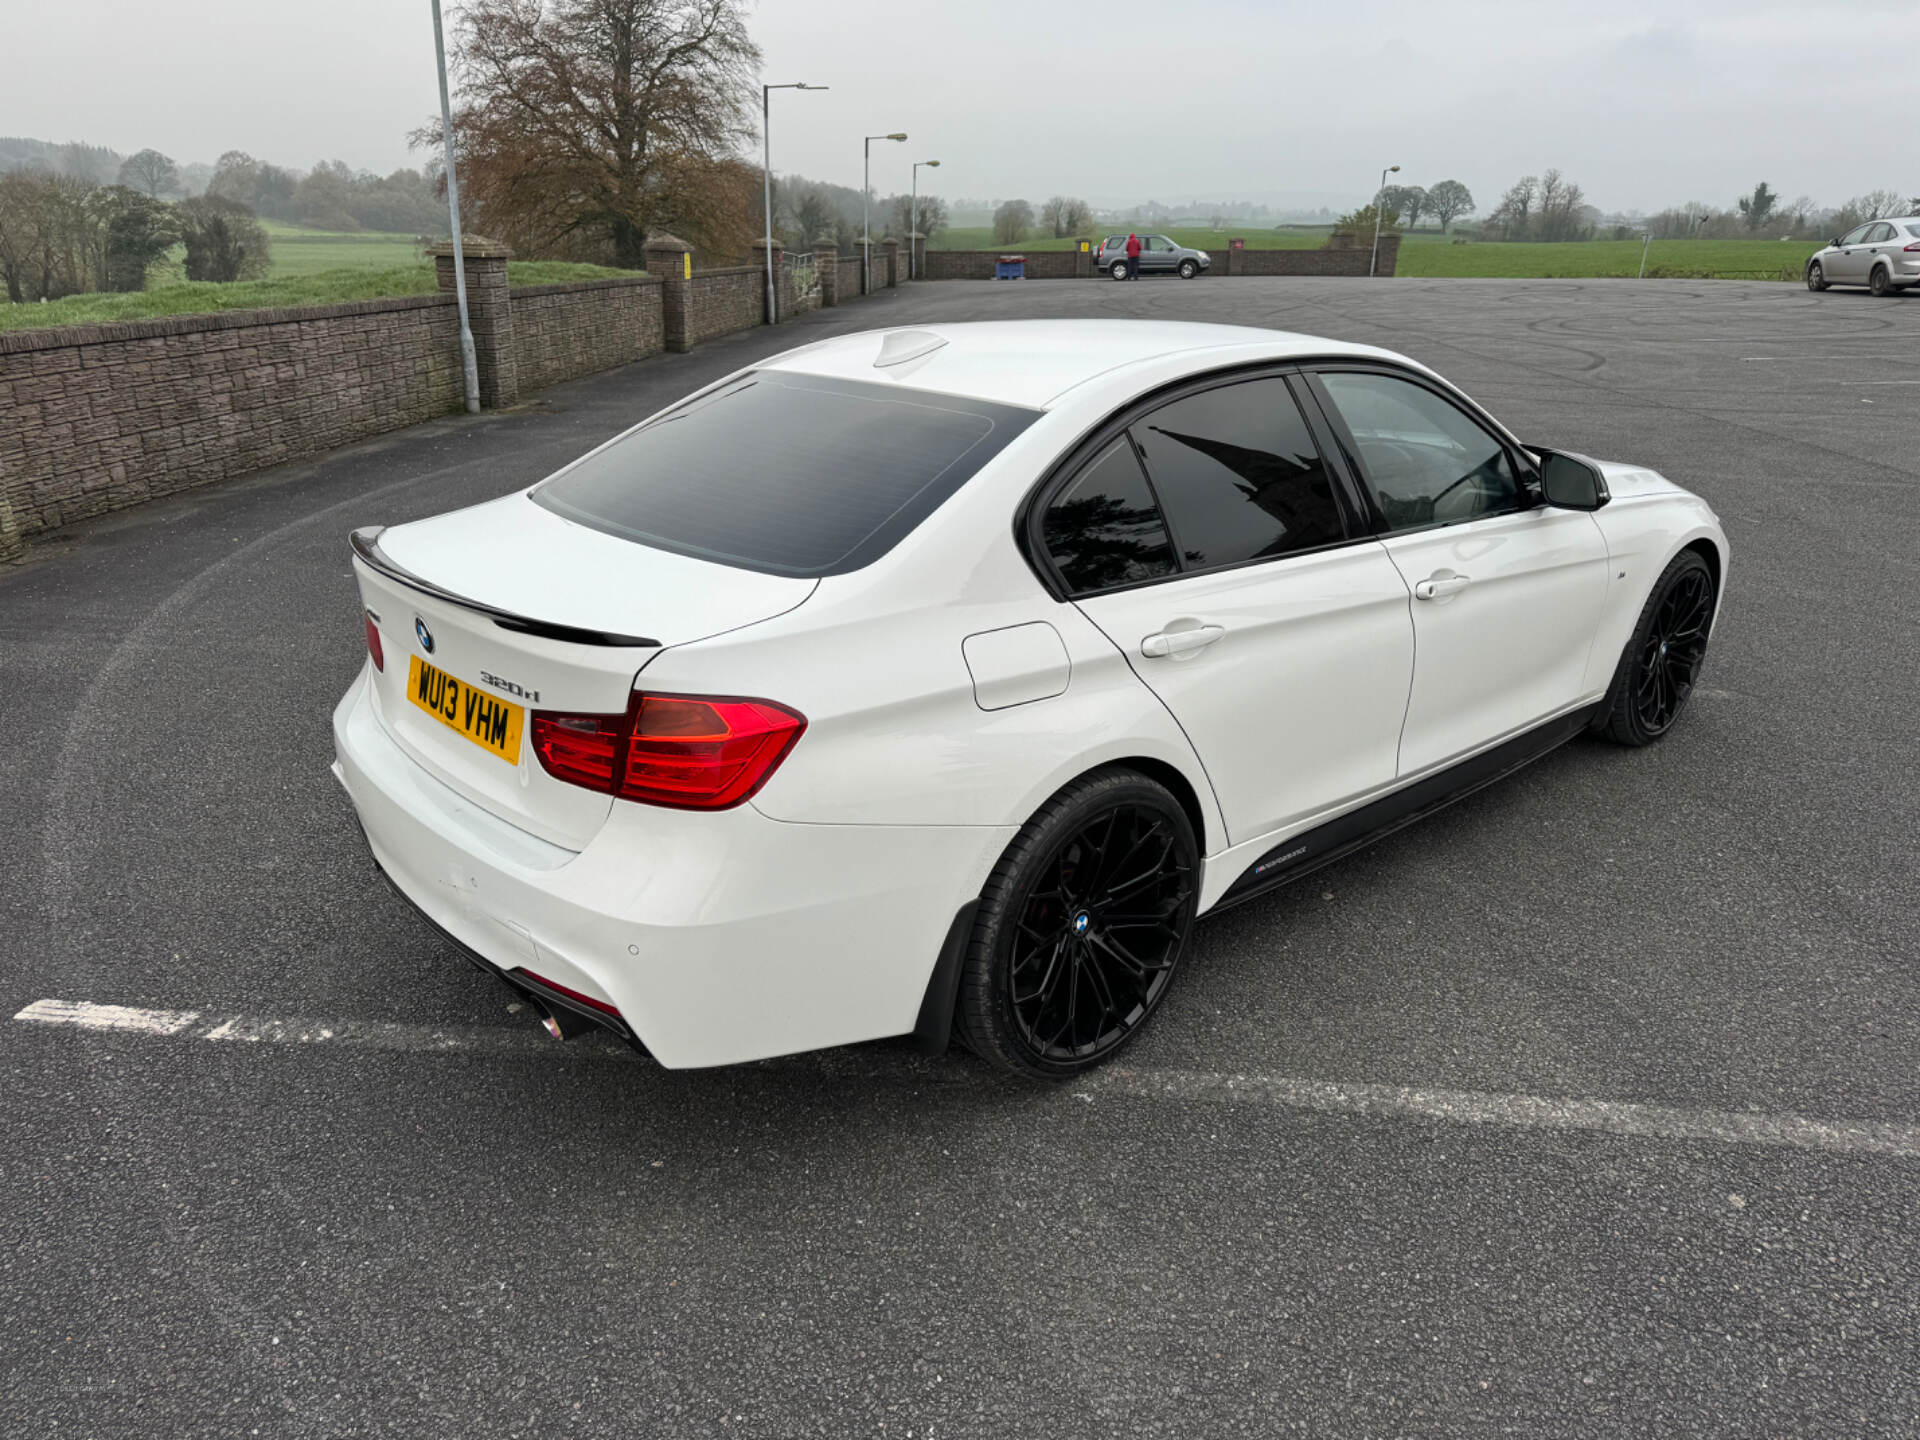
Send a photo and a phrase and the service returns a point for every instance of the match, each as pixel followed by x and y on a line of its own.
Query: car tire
pixel 1118 270
pixel 1661 663
pixel 1816 277
pixel 1080 928
pixel 1880 282
pixel 1189 269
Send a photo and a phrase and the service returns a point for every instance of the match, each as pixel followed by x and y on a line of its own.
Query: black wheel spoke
pixel 1675 644
pixel 1097 939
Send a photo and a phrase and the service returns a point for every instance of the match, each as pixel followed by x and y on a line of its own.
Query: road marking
pixel 257 1030
pixel 1453 1107
pixel 1528 1112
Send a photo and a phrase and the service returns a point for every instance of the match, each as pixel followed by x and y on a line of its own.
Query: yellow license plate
pixel 491 723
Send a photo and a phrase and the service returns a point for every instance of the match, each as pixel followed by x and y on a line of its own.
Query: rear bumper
pixel 719 937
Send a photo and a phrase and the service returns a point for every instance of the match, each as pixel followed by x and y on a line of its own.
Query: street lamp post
pixel 913 213
pixel 469 368
pixel 866 188
pixel 766 169
pixel 1379 205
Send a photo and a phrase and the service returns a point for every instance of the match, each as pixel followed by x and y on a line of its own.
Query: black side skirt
pixel 1324 844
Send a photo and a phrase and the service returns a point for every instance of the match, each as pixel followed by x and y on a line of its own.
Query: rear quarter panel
pixel 895 735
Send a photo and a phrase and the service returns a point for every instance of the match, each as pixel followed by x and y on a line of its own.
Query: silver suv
pixel 1158 256
pixel 1883 255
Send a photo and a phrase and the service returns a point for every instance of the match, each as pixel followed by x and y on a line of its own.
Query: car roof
pixel 1034 362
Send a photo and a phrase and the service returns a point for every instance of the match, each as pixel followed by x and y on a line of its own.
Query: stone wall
pixel 850 277
pixel 562 331
pixel 723 301
pixel 95 418
pixel 99 417
pixel 978 264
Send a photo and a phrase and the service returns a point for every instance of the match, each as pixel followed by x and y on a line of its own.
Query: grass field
pixel 1432 254
pixel 1732 259
pixel 324 287
pixel 299 251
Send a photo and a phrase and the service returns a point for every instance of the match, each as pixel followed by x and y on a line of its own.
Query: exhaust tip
pixel 551 1025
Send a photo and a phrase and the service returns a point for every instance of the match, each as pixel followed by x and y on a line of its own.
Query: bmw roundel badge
pixel 425 635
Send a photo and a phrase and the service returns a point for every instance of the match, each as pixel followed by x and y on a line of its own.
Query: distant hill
pixel 74 157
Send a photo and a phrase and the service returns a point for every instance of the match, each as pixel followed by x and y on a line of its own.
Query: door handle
pixel 1167 643
pixel 1439 587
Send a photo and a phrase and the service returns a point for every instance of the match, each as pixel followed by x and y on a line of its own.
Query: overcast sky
pixel 1645 104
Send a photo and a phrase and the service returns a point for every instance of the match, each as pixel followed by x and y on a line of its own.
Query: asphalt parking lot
pixel 1589 1107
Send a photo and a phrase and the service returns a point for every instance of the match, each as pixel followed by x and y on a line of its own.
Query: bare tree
pixel 1449 200
pixel 1011 221
pixel 151 173
pixel 1413 204
pixel 1079 217
pixel 586 124
pixel 1053 214
pixel 1513 216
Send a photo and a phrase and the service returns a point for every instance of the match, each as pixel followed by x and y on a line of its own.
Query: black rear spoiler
pixel 366 545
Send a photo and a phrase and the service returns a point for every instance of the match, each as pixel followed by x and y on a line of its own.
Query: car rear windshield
pixel 787 474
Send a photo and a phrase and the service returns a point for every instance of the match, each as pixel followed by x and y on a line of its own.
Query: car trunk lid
pixel 492 613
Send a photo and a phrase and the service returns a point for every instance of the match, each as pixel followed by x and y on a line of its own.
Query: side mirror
pixel 1571 482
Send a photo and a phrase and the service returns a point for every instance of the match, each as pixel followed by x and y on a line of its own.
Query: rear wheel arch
pixel 1176 783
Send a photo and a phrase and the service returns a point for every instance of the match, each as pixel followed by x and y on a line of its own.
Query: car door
pixel 1848 263
pixel 1156 255
pixel 1216 549
pixel 1880 244
pixel 1507 592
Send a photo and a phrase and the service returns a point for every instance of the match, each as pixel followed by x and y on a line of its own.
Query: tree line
pixel 64 235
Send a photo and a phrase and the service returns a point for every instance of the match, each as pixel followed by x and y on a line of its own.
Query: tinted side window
pixel 1428 461
pixel 1854 237
pixel 1879 233
pixel 1104 529
pixel 1239 474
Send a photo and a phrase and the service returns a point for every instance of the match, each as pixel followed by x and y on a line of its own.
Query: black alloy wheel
pixel 1816 277
pixel 1662 660
pixel 1081 927
pixel 1880 282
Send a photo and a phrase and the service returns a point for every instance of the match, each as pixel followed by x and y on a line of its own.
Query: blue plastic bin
pixel 1010 267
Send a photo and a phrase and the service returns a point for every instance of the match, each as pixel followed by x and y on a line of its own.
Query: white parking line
pixel 1453 1107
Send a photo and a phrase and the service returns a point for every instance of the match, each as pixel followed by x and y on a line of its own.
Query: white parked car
pixel 939 680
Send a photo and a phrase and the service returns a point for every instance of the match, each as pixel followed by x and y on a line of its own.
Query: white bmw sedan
pixel 937 681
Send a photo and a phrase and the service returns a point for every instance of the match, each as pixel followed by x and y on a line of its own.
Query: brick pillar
pixel 783 293
pixel 1234 246
pixel 1389 255
pixel 826 264
pixel 892 247
pixel 489 312
pixel 1082 259
pixel 671 258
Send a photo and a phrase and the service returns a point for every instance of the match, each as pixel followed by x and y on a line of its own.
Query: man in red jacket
pixel 1133 257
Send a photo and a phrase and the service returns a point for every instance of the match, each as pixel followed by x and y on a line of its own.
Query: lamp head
pixel 898 136
pixel 1393 169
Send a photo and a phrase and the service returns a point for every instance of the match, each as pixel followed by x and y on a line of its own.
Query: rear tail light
pixel 373 643
pixel 1914 246
pixel 690 752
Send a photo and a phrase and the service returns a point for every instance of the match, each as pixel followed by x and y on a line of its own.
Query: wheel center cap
pixel 1080 923
pixel 1663 649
